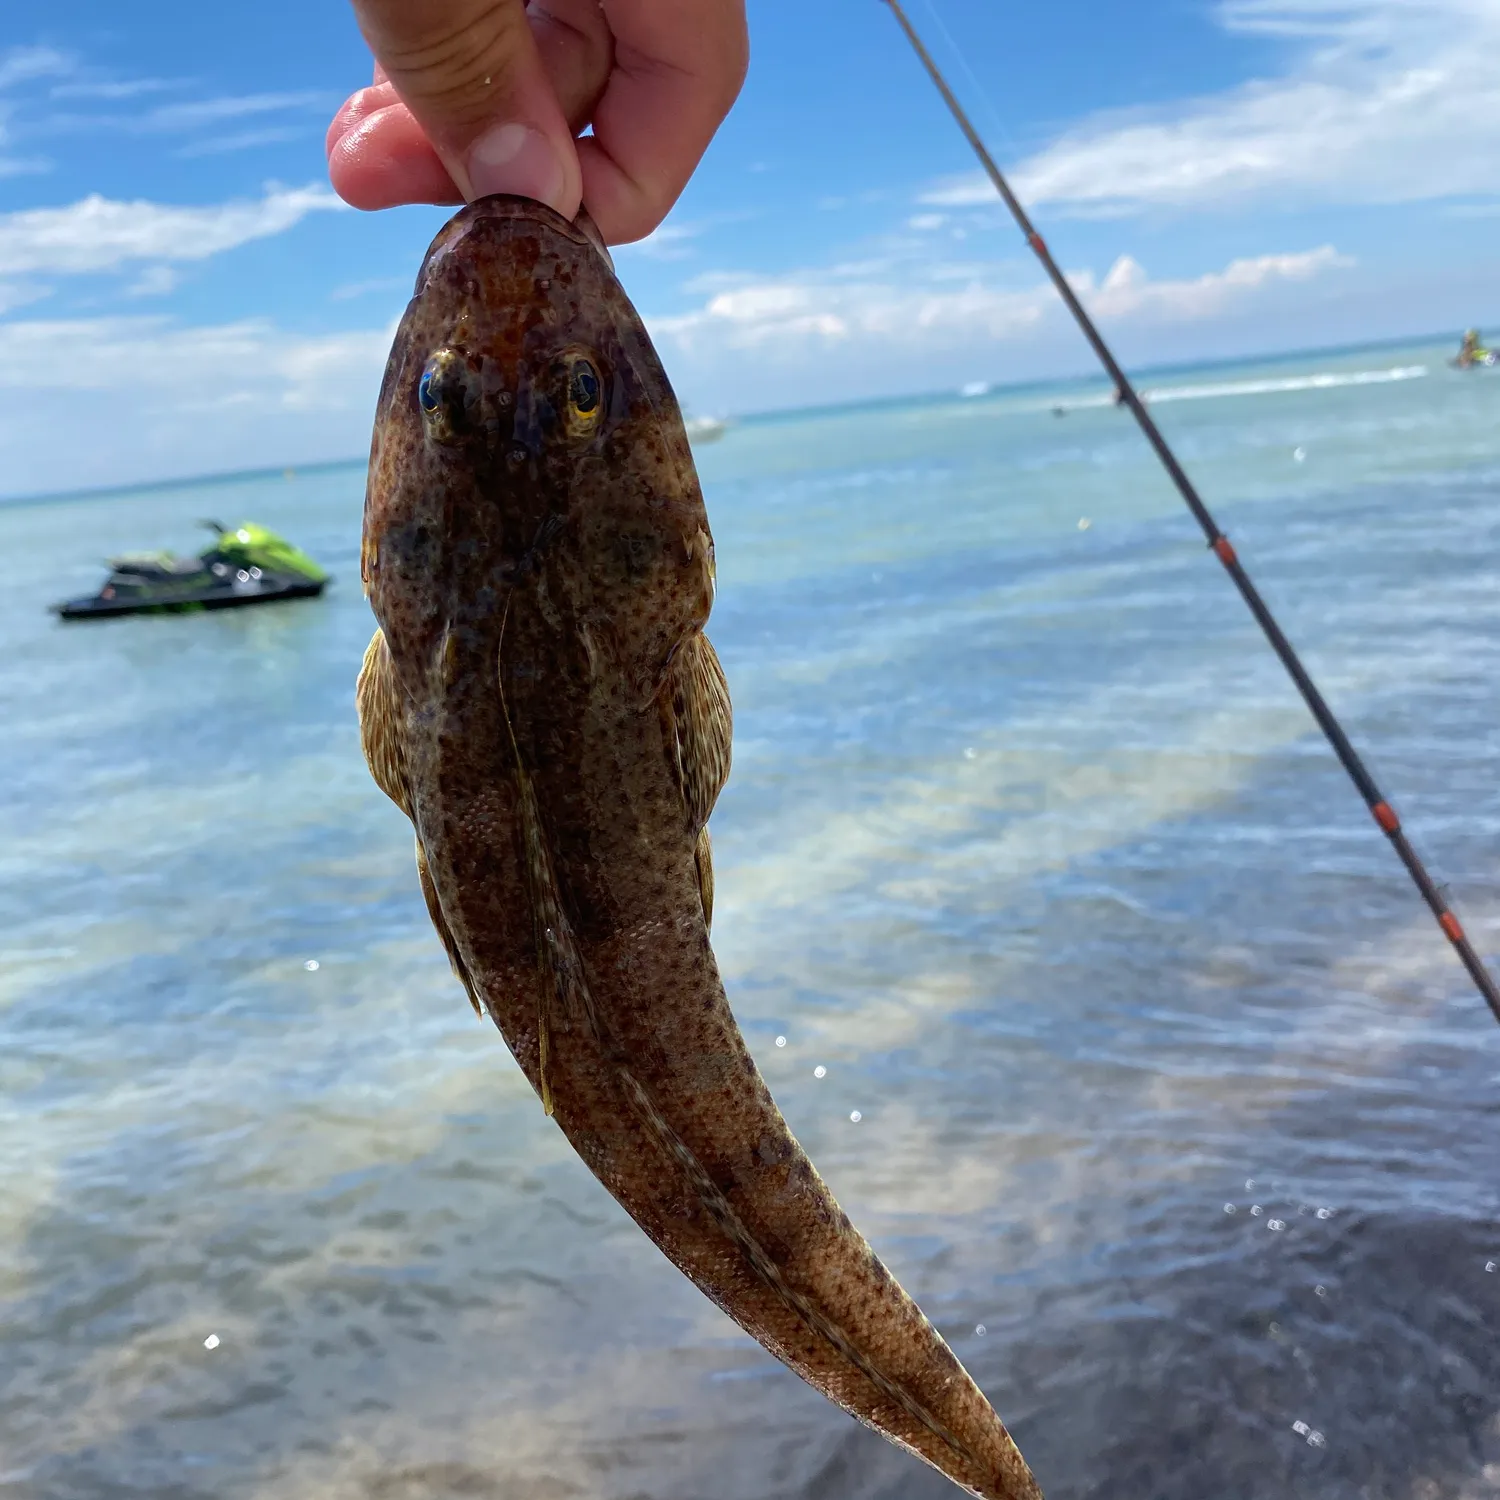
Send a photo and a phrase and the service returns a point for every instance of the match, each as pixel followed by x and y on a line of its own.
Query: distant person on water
pixel 1472 352
pixel 473 97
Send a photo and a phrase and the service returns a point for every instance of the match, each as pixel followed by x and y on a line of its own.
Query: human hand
pixel 487 96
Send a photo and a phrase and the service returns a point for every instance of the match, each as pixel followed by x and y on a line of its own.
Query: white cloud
pixel 259 117
pixel 112 89
pixel 22 64
pixel 180 117
pixel 1127 291
pixel 14 294
pixel 246 361
pixel 1384 101
pixel 382 284
pixel 154 281
pixel 665 242
pixel 905 309
pixel 673 240
pixel 147 398
pixel 243 140
pixel 23 166
pixel 195 113
pixel 102 234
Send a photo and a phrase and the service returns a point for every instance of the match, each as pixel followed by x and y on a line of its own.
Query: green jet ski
pixel 247 564
pixel 1472 355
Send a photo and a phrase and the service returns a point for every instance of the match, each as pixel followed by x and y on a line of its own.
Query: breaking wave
pixel 1272 385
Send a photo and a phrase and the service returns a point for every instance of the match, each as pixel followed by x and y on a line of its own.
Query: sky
pixel 180 292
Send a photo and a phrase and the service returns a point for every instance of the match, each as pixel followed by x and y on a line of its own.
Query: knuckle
pixel 458 62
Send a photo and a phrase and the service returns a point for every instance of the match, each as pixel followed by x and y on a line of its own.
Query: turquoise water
pixel 1175 1111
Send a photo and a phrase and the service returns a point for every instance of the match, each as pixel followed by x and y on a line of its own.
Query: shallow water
pixel 1175 1111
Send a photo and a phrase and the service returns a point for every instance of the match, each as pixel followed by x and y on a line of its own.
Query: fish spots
pixel 637 552
pixel 560 731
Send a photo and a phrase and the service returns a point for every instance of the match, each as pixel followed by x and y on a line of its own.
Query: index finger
pixel 679 65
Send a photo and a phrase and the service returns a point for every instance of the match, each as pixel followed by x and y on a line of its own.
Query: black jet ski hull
pixel 97 608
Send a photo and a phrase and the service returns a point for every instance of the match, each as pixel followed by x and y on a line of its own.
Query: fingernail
pixel 514 158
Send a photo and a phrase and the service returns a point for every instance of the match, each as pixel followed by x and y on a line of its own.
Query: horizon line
pixel 770 414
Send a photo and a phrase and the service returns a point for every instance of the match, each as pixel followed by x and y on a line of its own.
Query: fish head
pixel 527 439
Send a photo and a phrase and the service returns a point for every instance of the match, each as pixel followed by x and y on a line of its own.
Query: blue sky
pixel 180 293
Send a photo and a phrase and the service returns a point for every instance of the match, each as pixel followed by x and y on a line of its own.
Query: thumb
pixel 470 73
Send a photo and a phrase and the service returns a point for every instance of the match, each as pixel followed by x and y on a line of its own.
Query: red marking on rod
pixel 1385 815
pixel 1037 243
pixel 1224 551
pixel 1450 924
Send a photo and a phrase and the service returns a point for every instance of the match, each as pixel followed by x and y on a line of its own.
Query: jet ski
pixel 1472 355
pixel 247 564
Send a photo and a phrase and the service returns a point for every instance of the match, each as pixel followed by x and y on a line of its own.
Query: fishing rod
pixel 1219 544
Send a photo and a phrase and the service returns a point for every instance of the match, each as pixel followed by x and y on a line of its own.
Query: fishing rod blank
pixel 1381 810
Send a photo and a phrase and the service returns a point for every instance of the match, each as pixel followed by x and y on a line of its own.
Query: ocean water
pixel 1175 1111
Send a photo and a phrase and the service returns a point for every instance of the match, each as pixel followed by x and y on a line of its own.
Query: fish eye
pixel 583 387
pixel 581 392
pixel 447 392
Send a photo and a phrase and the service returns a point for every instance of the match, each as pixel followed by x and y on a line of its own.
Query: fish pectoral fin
pixel 699 725
pixel 435 911
pixel 378 699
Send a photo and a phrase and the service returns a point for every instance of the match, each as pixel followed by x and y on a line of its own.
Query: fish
pixel 541 701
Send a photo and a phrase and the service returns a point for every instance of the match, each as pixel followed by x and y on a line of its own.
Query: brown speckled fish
pixel 541 701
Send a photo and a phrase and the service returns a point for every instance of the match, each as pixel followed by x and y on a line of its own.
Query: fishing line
pixel 979 89
pixel 1219 544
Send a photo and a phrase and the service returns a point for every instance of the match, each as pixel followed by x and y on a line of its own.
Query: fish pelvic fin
pixel 440 922
pixel 563 998
pixel 703 857
pixel 377 695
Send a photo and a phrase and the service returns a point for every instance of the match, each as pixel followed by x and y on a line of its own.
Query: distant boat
pixel 974 388
pixel 705 429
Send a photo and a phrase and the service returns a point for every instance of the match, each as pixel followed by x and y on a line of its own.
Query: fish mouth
pixel 509 207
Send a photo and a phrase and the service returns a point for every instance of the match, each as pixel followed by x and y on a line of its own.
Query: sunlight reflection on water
pixel 1173 1109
